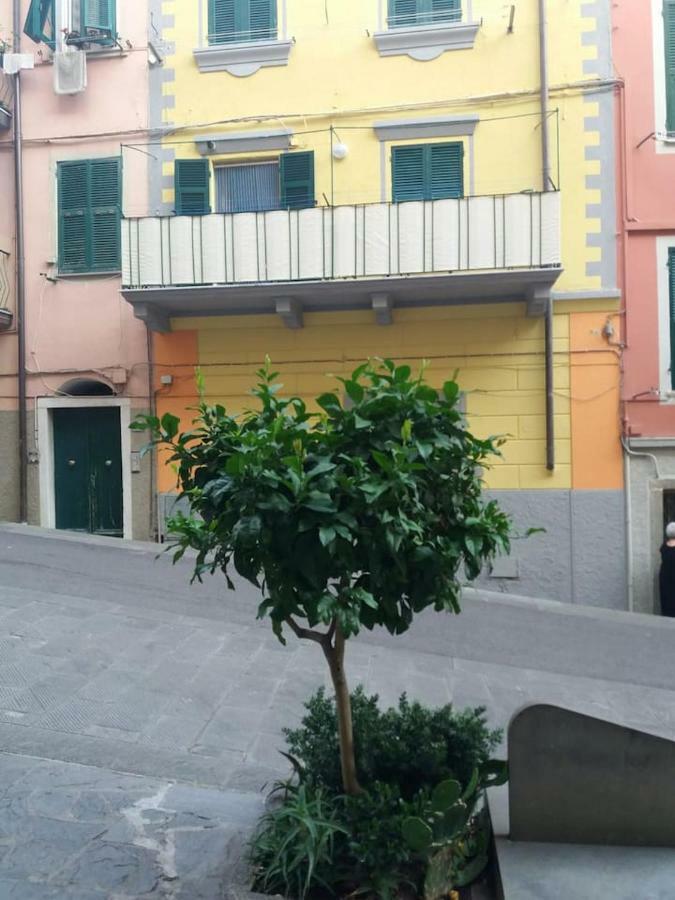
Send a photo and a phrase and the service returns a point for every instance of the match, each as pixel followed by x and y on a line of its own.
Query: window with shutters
pixel 427 172
pixel 671 312
pixel 89 212
pixel 92 23
pixel 669 35
pixel 411 13
pixel 286 183
pixel 253 187
pixel 242 20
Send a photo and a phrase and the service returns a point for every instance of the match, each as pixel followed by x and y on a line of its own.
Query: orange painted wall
pixel 595 382
pixel 175 354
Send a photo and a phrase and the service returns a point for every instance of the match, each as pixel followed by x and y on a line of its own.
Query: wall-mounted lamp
pixel 340 150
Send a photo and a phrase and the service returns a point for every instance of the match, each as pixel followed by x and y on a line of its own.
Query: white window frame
pixel 45 433
pixel 663 143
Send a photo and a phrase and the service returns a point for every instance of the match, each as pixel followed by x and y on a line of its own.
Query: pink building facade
pixel 644 61
pixel 86 355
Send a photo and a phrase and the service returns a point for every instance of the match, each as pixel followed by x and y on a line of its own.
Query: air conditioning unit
pixel 70 72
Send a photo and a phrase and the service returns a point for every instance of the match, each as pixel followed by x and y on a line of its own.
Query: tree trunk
pixel 335 656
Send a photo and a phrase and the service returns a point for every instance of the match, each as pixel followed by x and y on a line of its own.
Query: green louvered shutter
pixel 445 171
pixel 104 214
pixel 669 32
pixel 445 10
pixel 408 173
pixel 671 306
pixel 89 202
pixel 262 19
pixel 403 13
pixel 296 177
pixel 191 182
pixel 39 24
pixel 98 21
pixel 73 202
pixel 222 23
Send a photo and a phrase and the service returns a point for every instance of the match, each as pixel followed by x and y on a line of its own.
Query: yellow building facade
pixel 332 181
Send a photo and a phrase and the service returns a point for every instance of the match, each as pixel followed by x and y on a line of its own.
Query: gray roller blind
pixel 248 188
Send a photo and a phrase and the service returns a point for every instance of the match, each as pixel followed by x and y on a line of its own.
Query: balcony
pixel 379 256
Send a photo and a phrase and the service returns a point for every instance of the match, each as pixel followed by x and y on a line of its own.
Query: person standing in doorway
pixel 667 573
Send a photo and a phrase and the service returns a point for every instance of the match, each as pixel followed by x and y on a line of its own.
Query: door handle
pixel 108 462
pixel 71 462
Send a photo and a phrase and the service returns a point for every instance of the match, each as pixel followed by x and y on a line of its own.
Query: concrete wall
pixel 579 558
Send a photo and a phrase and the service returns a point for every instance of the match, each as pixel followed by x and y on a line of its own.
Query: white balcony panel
pixel 481 233
pixel 411 238
pixel 245 258
pixel 311 246
pixel 376 239
pixel 182 261
pixel 518 249
pixel 550 229
pixel 277 237
pixel 344 258
pixel 213 242
pixel 445 238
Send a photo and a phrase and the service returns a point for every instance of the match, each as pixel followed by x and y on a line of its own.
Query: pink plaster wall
pixel 81 325
pixel 646 189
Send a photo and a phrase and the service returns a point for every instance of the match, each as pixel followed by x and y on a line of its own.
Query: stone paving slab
pixel 122 668
pixel 68 830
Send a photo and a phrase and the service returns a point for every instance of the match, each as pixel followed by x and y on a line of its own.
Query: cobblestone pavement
pixel 140 719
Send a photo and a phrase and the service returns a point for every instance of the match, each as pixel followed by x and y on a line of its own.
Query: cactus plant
pixel 450 835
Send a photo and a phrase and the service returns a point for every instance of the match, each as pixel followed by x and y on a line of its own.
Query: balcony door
pixel 250 187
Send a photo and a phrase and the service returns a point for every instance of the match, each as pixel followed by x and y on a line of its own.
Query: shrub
pixel 293 848
pixel 409 746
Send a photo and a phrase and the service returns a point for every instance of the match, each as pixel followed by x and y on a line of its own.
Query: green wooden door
pixel 88 470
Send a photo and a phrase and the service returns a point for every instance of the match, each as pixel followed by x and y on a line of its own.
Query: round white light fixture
pixel 340 150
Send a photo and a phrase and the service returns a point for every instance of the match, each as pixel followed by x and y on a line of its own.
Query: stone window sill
pixel 243 59
pixel 426 42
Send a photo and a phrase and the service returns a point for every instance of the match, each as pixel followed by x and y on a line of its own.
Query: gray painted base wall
pixel 9 470
pixel 581 556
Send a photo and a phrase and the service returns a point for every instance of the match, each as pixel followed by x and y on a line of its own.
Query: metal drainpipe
pixel 20 273
pixel 546 186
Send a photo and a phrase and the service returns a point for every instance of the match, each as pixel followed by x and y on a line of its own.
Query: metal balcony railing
pixel 4 279
pixel 500 232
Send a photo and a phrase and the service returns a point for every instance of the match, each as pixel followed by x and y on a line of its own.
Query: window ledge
pixel 426 42
pixel 243 59
pixel 98 274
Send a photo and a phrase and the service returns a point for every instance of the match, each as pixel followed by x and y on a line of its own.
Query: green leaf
pixel 330 403
pixel 451 391
pixel 354 391
pixel 417 834
pixel 445 795
pixel 170 425
pixel 401 374
pixel 326 534
pixel 319 502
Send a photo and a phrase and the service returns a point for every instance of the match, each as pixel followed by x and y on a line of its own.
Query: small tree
pixel 363 514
